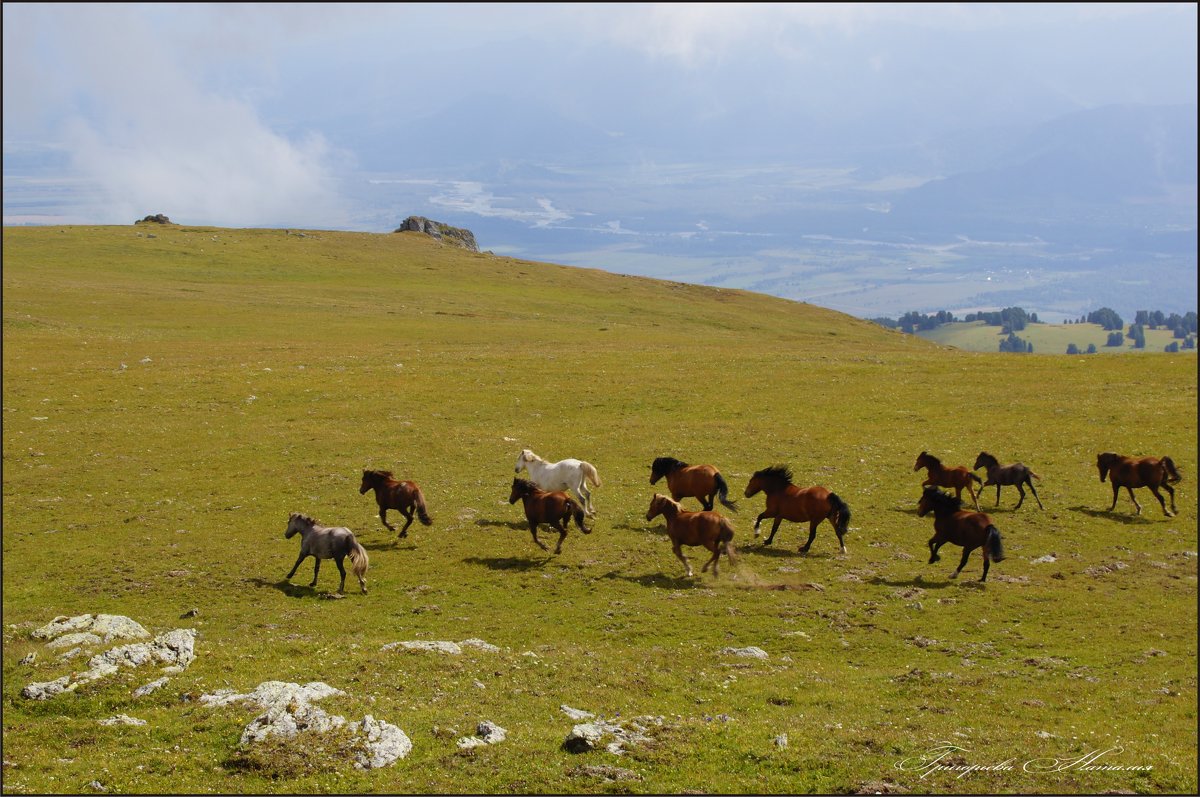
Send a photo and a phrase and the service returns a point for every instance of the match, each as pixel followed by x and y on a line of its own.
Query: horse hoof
pixel 954 575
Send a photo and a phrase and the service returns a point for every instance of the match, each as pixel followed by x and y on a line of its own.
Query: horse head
pixel 658 505
pixel 295 522
pixel 525 456
pixel 934 500
pixel 520 489
pixel 1104 462
pixel 662 466
pixel 984 460
pixel 770 480
pixel 923 461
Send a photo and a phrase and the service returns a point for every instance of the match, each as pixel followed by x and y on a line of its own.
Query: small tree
pixel 1072 348
pixel 1091 349
pixel 1115 339
pixel 1172 347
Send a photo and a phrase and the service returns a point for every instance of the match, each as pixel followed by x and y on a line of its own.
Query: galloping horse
pixel 968 529
pixel 1015 474
pixel 405 497
pixel 555 508
pixel 696 481
pixel 786 501
pixel 567 474
pixel 327 542
pixel 693 528
pixel 1129 472
pixel 940 476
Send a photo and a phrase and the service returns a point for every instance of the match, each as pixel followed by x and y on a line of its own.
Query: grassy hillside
pixel 168 400
pixel 1046 338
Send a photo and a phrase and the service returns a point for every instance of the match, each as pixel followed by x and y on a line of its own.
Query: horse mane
pixel 987 458
pixel 937 463
pixel 386 474
pixel 666 465
pixel 778 474
pixel 943 501
pixel 309 520
pixel 526 484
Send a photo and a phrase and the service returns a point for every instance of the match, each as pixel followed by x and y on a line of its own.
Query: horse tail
pixel 725 538
pixel 976 478
pixel 358 556
pixel 994 544
pixel 842 510
pixel 577 513
pixel 1034 475
pixel 422 512
pixel 723 492
pixel 589 473
pixel 1172 472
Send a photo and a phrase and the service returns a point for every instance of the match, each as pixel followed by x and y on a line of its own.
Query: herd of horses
pixel 558 492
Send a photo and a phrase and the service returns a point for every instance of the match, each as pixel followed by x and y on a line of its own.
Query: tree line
pixel 1014 319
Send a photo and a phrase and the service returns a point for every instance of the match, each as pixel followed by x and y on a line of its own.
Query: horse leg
pixel 1020 490
pixel 998 493
pixel 1161 502
pixel 562 533
pixel 341 569
pixel 758 520
pixel 975 500
pixel 774 528
pixel 1034 491
pixel 383 517
pixel 679 554
pixel 1171 491
pixel 412 510
pixel 1116 494
pixel 296 566
pixel 963 562
pixel 707 502
pixel 987 561
pixel 812 535
pixel 1132 498
pixel 585 496
pixel 533 530
pixel 316 569
pixel 934 544
pixel 716 552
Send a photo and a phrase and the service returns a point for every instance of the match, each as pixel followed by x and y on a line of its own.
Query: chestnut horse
pixel 693 528
pixel 1016 474
pixel 692 481
pixel 786 501
pixel 951 524
pixel 941 476
pixel 1129 472
pixel 555 508
pixel 405 497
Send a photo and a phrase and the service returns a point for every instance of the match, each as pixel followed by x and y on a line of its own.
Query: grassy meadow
pixel 171 394
pixel 1048 339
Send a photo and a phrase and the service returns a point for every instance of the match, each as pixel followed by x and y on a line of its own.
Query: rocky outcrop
pixel 154 218
pixel 443 232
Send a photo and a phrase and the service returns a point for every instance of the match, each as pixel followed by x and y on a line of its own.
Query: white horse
pixel 568 474
pixel 327 542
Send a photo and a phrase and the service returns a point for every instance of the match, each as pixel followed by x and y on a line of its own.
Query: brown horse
pixel 1129 472
pixel 786 501
pixel 1016 474
pixel 941 476
pixel 693 528
pixel 951 524
pixel 405 497
pixel 555 508
pixel 692 481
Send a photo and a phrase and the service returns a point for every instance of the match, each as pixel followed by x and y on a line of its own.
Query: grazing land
pixel 1048 338
pixel 172 394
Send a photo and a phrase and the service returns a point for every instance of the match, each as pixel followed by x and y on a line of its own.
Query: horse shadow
pixel 916 581
pixel 658 580
pixel 519 563
pixel 912 511
pixel 392 545
pixel 778 551
pixel 287 587
pixel 515 525
pixel 1128 520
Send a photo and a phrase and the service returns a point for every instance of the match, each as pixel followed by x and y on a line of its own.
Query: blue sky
pixel 256 114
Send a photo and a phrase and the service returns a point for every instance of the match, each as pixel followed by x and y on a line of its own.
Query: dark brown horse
pixel 951 524
pixel 786 501
pixel 555 508
pixel 404 497
pixel 941 476
pixel 692 481
pixel 693 528
pixel 1130 472
pixel 1016 474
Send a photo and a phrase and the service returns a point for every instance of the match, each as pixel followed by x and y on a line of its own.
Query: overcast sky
pixel 246 115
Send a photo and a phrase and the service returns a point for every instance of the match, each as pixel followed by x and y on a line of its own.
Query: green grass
pixel 169 400
pixel 1047 338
